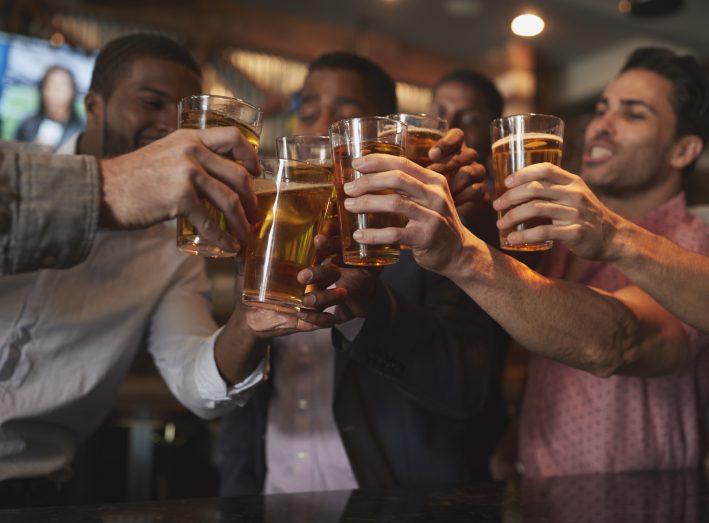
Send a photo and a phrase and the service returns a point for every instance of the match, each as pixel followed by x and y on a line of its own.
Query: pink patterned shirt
pixel 575 423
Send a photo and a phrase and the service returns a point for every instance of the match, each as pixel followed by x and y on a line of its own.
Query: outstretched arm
pixel 603 333
pixel 674 276
pixel 51 205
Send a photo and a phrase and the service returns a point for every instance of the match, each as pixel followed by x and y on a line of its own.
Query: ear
pixel 94 105
pixel 685 150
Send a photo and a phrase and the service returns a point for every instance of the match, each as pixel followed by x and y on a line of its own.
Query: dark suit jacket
pixel 406 391
pixel 28 129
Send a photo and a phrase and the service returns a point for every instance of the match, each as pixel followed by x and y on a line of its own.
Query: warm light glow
pixel 527 25
pixel 625 6
pixel 56 40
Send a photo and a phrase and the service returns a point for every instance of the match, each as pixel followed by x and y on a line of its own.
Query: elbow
pixel 601 362
pixel 609 354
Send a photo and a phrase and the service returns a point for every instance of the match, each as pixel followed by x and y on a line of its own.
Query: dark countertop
pixel 669 497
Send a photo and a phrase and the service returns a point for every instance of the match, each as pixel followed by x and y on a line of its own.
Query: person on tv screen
pixel 57 119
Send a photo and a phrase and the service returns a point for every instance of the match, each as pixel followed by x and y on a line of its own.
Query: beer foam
pixel 262 186
pixel 425 130
pixel 529 136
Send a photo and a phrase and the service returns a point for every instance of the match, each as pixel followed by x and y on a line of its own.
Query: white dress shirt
pixel 67 338
pixel 304 451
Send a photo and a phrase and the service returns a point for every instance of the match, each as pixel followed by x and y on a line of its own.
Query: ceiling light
pixel 527 25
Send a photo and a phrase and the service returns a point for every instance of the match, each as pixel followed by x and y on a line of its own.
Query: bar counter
pixel 674 497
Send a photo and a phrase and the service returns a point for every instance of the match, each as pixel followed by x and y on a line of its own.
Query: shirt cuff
pixel 350 329
pixel 212 386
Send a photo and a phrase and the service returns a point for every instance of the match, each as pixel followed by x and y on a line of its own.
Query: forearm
pixel 49 208
pixel 675 277
pixel 238 351
pixel 568 322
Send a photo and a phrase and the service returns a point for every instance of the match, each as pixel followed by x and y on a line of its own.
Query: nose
pixel 322 124
pixel 602 125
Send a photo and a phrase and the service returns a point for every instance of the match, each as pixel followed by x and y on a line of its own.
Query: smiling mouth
pixel 598 153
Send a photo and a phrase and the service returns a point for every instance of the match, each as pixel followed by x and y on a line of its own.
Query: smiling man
pixel 133 96
pixel 68 337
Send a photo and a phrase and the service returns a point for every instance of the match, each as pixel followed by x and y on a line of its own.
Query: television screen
pixel 49 116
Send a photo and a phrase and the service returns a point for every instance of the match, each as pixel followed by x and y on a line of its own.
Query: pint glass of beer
pixel 350 139
pixel 309 148
pixel 518 141
pixel 316 150
pixel 199 112
pixel 422 133
pixel 292 199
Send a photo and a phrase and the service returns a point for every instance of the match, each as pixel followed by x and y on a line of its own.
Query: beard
pixel 114 144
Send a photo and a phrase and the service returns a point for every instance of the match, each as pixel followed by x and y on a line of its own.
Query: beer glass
pixel 422 133
pixel 307 148
pixel 199 112
pixel 350 139
pixel 316 150
pixel 518 141
pixel 292 199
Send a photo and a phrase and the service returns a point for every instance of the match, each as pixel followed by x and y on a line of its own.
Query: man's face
pixel 628 141
pixel 330 95
pixel 143 106
pixel 465 108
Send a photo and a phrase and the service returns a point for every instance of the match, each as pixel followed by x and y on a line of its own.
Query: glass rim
pixel 286 136
pixel 276 159
pixel 525 115
pixel 221 97
pixel 394 116
pixel 357 119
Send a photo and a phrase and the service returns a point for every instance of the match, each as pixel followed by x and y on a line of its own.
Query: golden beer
pixel 196 114
pixel 197 119
pixel 315 150
pixel 510 154
pixel 419 142
pixel 281 242
pixel 354 253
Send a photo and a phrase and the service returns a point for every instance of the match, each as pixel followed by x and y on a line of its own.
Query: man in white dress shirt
pixel 67 337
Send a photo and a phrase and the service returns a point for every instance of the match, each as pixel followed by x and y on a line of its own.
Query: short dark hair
pixel 51 70
pixel 690 83
pixel 381 89
pixel 479 82
pixel 120 53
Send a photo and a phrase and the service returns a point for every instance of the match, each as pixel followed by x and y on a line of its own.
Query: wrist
pixel 465 261
pixel 238 350
pixel 618 238
pixel 106 217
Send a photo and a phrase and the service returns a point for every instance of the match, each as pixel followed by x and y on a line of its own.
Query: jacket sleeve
pixel 49 208
pixel 438 348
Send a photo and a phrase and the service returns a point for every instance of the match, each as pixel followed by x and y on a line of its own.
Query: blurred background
pixel 258 51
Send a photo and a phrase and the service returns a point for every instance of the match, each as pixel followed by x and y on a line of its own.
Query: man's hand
pixel 359 283
pixel 242 343
pixel 466 176
pixel 579 219
pixel 459 164
pixel 434 231
pixel 170 177
pixel 267 324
